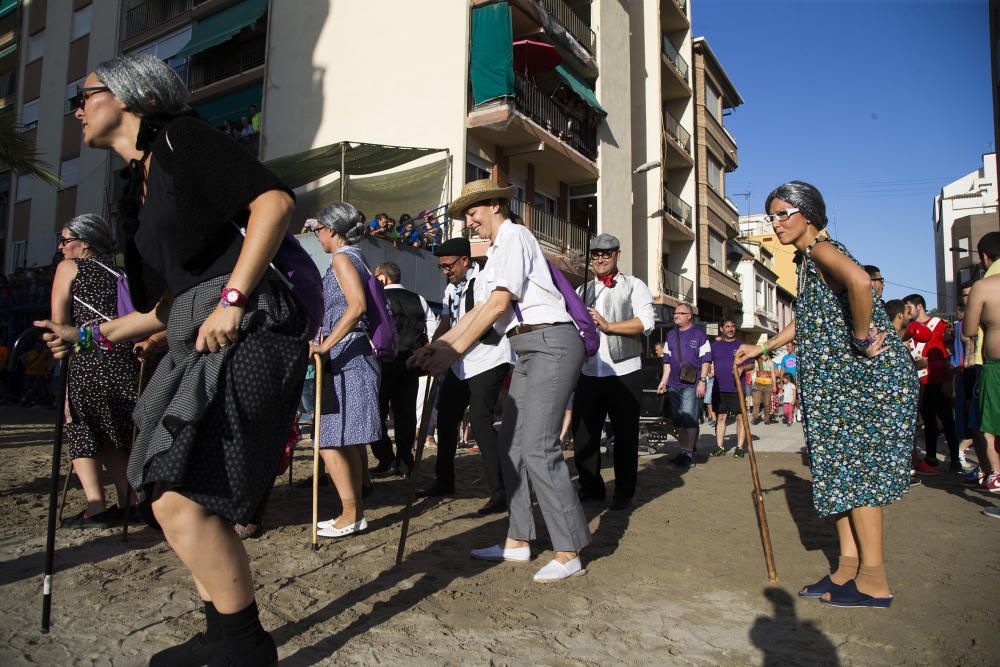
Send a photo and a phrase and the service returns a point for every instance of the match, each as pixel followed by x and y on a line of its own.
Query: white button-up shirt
pixel 428 313
pixel 515 262
pixel 601 365
pixel 479 357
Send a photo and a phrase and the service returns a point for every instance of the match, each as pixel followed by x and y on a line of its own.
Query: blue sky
pixel 879 103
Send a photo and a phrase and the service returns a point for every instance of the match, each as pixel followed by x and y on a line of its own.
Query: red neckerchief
pixel 608 280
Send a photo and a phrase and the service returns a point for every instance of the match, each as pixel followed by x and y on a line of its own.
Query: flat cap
pixel 605 242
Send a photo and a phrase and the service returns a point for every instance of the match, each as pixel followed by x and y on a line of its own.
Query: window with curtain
pixel 713 102
pixel 715 175
pixel 716 251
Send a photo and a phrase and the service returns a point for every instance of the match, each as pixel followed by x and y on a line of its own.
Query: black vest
pixel 411 324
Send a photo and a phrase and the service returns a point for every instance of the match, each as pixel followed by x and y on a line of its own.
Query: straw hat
pixel 475 192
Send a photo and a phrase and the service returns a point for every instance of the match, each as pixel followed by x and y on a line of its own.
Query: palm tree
pixel 21 155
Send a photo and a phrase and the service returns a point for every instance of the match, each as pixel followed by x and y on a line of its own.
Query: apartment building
pixel 759 299
pixel 964 210
pixel 663 119
pixel 586 106
pixel 718 217
pixel 755 229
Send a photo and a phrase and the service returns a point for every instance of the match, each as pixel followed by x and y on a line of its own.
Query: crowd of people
pixel 235 339
pixel 424 231
pixel 245 131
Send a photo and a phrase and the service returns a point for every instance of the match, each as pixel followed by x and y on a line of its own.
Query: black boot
pixel 245 642
pixel 196 651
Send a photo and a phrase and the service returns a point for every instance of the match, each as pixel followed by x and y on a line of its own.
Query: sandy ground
pixel 679 580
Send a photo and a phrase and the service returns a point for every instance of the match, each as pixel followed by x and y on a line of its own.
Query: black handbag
pixel 688 373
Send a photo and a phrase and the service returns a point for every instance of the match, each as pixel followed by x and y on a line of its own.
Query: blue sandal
pixel 848 595
pixel 824 585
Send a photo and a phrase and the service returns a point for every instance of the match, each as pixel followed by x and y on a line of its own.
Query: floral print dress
pixel 859 414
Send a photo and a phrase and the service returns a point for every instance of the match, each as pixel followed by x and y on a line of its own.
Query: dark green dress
pixel 859 414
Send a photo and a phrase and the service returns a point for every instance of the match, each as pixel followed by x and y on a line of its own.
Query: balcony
pixel 677 208
pixel 226 60
pixel 553 233
pixel 539 106
pixel 680 136
pixel 677 286
pixel 576 26
pixel 678 63
pixel 149 14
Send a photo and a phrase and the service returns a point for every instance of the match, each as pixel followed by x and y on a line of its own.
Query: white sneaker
pixel 329 530
pixel 556 571
pixel 497 552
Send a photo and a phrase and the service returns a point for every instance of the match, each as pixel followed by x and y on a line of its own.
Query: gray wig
pixel 804 197
pixel 343 219
pixel 144 83
pixel 93 230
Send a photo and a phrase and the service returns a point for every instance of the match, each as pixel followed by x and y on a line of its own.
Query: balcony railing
pixel 152 13
pixel 677 208
pixel 677 286
pixel 674 130
pixel 535 103
pixel 674 58
pixel 574 24
pixel 8 84
pixel 552 231
pixel 225 61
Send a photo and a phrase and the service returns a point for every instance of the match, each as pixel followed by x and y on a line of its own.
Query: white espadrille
pixel 496 552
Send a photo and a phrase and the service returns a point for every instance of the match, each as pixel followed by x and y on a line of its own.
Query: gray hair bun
pixel 93 230
pixel 144 83
pixel 804 197
pixel 343 219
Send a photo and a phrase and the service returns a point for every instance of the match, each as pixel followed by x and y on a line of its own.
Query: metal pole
pixel 343 172
pixel 50 538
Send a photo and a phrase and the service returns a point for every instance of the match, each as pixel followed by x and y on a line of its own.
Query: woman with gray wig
pixel 201 221
pixel 101 389
pixel 351 373
pixel 858 396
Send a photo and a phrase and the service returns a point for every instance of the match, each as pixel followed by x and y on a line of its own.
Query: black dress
pixel 102 385
pixel 213 425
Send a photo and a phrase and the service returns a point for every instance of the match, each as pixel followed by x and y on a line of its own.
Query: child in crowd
pixel 788 399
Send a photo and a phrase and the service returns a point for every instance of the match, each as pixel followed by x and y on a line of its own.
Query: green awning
pixel 580 89
pixel 232 106
pixel 9 50
pixel 7 6
pixel 358 159
pixel 223 25
pixel 491 58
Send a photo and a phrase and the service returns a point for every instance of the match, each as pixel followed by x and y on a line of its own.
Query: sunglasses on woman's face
pixel 66 240
pixel 79 100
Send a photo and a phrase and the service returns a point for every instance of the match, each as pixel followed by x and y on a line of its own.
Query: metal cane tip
pixel 315 547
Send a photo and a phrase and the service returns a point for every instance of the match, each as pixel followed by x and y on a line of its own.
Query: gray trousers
pixel 548 364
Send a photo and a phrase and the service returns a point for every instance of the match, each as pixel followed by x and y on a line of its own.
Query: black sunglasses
pixel 79 100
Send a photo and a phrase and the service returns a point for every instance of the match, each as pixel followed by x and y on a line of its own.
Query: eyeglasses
pixel 781 216
pixel 447 266
pixel 594 254
pixel 878 280
pixel 682 312
pixel 79 100
pixel 64 240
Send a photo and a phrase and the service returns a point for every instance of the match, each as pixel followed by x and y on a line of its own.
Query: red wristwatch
pixel 233 297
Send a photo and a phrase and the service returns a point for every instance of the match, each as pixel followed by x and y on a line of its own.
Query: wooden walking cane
pixel 135 434
pixel 319 401
pixel 50 537
pixel 765 535
pixel 425 420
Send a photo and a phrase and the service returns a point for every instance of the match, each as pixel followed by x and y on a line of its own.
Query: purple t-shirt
pixel 694 350
pixel 723 354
